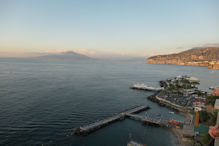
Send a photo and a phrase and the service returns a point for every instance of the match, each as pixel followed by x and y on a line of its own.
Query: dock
pixel 86 129
pixel 149 120
pixel 145 87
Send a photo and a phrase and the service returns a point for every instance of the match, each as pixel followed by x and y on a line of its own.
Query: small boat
pixel 171 112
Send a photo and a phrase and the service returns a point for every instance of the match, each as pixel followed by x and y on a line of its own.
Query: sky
pixel 106 27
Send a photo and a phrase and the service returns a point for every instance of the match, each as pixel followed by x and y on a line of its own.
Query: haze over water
pixel 41 101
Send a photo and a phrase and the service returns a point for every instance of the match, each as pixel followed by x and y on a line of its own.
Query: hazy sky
pixel 98 27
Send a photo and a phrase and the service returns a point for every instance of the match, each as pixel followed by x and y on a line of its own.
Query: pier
pixel 86 129
pixel 145 87
pixel 149 120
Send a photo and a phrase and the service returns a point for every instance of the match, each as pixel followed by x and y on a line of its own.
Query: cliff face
pixel 208 57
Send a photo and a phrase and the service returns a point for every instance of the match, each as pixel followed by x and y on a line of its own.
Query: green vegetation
pixel 181 84
pixel 171 87
pixel 213 119
pixel 211 100
pixel 177 87
pixel 198 92
pixel 185 81
pixel 187 86
pixel 204 116
pixel 206 139
pixel 207 118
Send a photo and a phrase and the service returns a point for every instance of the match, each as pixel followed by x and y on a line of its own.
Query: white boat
pixel 171 112
pixel 145 87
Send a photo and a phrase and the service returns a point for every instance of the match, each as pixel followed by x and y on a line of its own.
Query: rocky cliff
pixel 208 56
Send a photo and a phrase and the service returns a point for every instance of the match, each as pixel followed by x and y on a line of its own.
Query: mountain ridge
pixel 68 55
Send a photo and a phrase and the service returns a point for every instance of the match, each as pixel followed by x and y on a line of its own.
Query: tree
pixel 204 116
pixel 211 100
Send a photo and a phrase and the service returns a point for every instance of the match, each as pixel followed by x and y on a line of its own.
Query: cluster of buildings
pixel 213 65
pixel 199 104
pixel 183 91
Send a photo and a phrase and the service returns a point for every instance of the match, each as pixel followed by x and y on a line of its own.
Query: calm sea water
pixel 41 101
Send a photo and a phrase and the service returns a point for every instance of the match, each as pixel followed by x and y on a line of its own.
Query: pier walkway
pixel 149 120
pixel 83 130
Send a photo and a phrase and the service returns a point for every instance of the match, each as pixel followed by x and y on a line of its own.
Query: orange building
pixel 215 92
pixel 196 119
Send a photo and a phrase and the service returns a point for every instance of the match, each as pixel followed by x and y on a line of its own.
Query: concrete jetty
pixel 86 129
pixel 145 87
pixel 149 120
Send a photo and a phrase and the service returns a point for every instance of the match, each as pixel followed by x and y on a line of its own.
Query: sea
pixel 41 101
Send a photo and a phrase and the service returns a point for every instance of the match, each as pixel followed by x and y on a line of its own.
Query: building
pixel 199 104
pixel 193 79
pixel 201 130
pixel 215 92
pixel 188 131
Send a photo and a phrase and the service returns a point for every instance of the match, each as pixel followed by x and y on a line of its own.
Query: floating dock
pixel 86 129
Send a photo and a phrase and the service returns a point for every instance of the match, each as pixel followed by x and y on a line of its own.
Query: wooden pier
pixel 86 129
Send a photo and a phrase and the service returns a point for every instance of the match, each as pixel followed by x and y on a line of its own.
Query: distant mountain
pixel 70 55
pixel 200 56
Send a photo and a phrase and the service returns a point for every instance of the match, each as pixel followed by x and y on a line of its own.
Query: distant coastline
pixel 208 57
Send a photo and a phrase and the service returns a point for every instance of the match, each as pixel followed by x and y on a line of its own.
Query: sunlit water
pixel 41 101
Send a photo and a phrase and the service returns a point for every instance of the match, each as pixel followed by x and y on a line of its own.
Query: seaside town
pixel 181 94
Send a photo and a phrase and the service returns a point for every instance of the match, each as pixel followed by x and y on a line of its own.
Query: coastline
pixel 182 141
pixel 209 66
pixel 178 132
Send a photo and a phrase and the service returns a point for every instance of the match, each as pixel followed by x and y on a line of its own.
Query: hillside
pixel 66 56
pixel 208 56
